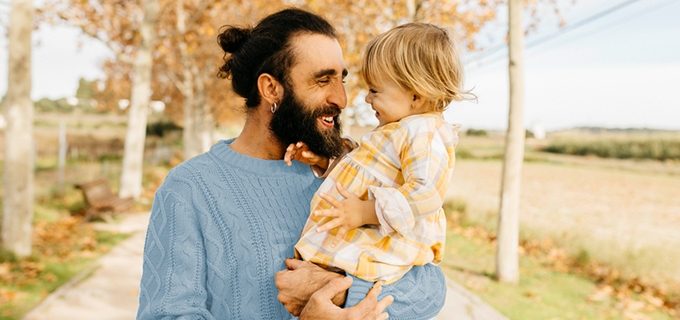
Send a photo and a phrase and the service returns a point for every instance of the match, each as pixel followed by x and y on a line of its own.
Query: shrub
pixel 161 128
pixel 657 149
pixel 476 133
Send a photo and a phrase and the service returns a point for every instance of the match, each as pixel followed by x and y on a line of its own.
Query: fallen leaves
pixel 631 296
pixel 59 241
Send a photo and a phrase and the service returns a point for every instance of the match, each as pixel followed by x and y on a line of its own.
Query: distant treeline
pixel 637 148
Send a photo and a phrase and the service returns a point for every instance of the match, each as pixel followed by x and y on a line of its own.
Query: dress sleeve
pixel 426 166
pixel 348 145
pixel 420 294
pixel 174 269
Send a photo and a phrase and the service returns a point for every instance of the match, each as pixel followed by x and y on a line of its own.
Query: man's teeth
pixel 327 119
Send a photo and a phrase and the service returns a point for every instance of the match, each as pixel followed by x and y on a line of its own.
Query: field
pixel 622 212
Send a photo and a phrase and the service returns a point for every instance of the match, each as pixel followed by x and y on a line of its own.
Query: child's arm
pixel 300 152
pixel 320 166
pixel 346 214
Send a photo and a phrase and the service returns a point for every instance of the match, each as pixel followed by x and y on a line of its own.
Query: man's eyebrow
pixel 329 72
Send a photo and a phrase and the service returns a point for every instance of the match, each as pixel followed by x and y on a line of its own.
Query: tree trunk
pixel 507 260
pixel 411 8
pixel 193 134
pixel 204 119
pixel 133 158
pixel 19 144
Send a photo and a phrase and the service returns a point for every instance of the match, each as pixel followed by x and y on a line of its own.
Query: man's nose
pixel 338 96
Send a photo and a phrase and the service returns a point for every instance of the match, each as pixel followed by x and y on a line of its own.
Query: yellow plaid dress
pixel 406 166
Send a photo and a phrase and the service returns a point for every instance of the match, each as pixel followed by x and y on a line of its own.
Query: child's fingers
pixel 309 155
pixel 293 155
pixel 342 232
pixel 332 201
pixel 343 192
pixel 330 225
pixel 331 213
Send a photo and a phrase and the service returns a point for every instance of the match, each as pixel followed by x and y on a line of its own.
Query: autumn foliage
pixel 187 57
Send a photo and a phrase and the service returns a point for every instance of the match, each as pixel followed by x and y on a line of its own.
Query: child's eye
pixel 371 90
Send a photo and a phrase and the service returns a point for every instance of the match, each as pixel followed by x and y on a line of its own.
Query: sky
pixel 621 70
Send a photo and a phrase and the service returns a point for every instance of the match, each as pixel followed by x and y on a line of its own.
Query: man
pixel 224 223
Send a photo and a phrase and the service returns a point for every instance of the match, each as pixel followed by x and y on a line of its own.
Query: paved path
pixel 108 290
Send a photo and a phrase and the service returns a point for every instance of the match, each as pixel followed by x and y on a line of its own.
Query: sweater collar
pixel 223 152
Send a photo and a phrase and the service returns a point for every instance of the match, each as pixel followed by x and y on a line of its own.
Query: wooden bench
pixel 100 201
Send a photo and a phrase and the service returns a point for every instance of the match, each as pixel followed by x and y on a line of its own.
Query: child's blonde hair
pixel 420 57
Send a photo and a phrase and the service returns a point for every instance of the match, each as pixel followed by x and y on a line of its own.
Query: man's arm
pixel 300 281
pixel 320 306
pixel 420 294
pixel 170 286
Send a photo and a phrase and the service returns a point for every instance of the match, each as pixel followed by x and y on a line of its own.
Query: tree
pixel 359 21
pixel 133 157
pixel 19 145
pixel 507 260
pixel 127 28
pixel 190 54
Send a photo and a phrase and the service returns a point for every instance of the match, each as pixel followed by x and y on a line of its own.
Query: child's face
pixel 390 102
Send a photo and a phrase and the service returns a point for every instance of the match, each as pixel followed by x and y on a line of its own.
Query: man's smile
pixel 327 121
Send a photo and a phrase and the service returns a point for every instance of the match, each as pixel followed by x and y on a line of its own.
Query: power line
pixel 600 29
pixel 558 32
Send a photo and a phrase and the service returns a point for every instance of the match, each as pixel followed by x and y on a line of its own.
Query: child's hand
pixel 346 215
pixel 300 152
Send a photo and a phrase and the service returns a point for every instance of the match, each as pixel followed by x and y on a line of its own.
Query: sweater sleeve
pixel 420 294
pixel 174 271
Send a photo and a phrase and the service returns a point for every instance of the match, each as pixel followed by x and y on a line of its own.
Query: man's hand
pixel 300 152
pixel 320 306
pixel 347 214
pixel 297 284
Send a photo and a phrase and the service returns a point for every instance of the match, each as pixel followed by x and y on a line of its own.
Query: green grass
pixel 541 294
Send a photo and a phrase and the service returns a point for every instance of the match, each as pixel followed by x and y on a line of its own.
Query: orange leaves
pixel 63 238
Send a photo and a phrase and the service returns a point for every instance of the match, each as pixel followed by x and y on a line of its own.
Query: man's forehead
pixel 319 55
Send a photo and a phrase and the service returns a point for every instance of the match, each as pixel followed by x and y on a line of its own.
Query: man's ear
pixel 270 89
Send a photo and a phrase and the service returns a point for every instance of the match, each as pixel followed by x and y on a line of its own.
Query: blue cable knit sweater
pixel 222 225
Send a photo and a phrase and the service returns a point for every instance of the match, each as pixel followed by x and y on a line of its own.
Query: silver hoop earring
pixel 273 109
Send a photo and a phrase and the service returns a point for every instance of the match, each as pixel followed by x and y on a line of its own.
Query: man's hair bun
pixel 233 38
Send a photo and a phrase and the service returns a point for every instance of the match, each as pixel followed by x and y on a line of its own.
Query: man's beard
pixel 293 122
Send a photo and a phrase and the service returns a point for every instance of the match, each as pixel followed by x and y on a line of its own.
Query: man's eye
pixel 324 80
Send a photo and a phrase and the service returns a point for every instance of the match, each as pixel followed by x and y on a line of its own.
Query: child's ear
pixel 417 102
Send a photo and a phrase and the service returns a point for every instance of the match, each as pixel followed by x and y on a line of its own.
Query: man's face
pixel 294 121
pixel 314 97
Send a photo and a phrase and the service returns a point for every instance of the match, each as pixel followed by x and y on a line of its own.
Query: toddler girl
pixel 379 211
